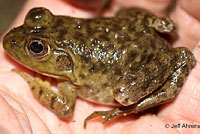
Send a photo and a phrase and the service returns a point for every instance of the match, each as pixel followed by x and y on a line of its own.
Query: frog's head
pixel 31 45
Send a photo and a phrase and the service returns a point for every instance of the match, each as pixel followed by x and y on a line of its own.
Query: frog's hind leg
pixel 184 63
pixel 61 103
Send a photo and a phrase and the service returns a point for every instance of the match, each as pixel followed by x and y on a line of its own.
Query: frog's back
pixel 106 46
pixel 106 40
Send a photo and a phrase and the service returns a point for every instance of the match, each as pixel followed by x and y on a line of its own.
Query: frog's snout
pixel 7 42
pixel 12 39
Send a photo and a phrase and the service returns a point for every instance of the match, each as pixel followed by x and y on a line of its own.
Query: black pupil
pixel 36 47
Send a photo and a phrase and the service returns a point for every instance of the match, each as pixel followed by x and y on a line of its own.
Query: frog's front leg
pixel 184 63
pixel 61 103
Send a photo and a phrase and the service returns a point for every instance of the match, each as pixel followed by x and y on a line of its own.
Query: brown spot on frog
pixel 121 61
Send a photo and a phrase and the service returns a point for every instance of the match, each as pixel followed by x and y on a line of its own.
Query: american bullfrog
pixel 123 61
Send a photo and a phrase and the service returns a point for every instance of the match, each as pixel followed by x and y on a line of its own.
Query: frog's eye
pixel 37 49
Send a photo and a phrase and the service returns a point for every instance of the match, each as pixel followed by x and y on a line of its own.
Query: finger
pixel 187 17
pixel 9 117
pixel 23 117
pixel 191 7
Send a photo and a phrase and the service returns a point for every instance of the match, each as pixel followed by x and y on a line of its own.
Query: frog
pixel 123 61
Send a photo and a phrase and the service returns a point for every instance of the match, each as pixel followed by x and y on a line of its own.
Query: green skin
pixel 123 61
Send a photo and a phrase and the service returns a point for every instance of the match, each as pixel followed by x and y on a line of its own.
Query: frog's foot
pixel 162 25
pixel 104 115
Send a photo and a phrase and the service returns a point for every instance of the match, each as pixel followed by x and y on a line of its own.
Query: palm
pixel 22 111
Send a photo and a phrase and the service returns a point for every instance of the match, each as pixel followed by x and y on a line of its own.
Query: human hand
pixel 22 113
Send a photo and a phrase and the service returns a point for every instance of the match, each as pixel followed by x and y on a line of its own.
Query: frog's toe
pixel 104 115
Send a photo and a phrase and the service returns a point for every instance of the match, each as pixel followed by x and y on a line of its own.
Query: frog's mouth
pixel 70 79
pixel 58 76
